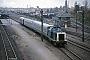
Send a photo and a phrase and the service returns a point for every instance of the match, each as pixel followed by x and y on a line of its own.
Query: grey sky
pixel 40 3
pixel 1 1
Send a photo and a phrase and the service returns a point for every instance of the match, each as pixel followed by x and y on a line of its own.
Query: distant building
pixel 66 7
pixel 64 19
pixel 3 16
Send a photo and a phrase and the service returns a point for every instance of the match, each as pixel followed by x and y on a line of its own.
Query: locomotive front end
pixel 58 37
pixel 61 38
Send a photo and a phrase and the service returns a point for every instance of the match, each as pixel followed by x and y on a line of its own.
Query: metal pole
pixel 76 21
pixel 41 24
pixel 83 25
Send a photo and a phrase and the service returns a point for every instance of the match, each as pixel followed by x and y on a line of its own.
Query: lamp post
pixel 82 12
pixel 41 24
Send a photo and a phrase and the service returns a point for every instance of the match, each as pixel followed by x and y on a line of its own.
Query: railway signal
pixel 76 9
pixel 82 12
pixel 42 24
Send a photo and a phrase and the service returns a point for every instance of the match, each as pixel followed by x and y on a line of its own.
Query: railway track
pixel 76 34
pixel 70 54
pixel 79 45
pixel 79 26
pixel 8 48
pixel 2 52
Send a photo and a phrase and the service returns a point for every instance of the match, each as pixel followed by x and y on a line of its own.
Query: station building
pixel 65 19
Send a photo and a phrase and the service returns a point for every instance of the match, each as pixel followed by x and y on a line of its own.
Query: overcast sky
pixel 40 3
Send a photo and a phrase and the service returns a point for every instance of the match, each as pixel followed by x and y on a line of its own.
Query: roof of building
pixel 64 14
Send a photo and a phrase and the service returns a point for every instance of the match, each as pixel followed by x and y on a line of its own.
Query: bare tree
pixel 86 5
pixel 87 12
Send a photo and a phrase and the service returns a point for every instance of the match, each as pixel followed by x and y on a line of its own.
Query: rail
pixel 79 45
pixel 9 51
pixel 70 54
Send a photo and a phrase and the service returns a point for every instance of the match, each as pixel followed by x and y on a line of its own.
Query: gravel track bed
pixel 78 40
pixel 13 37
pixel 2 51
pixel 81 52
